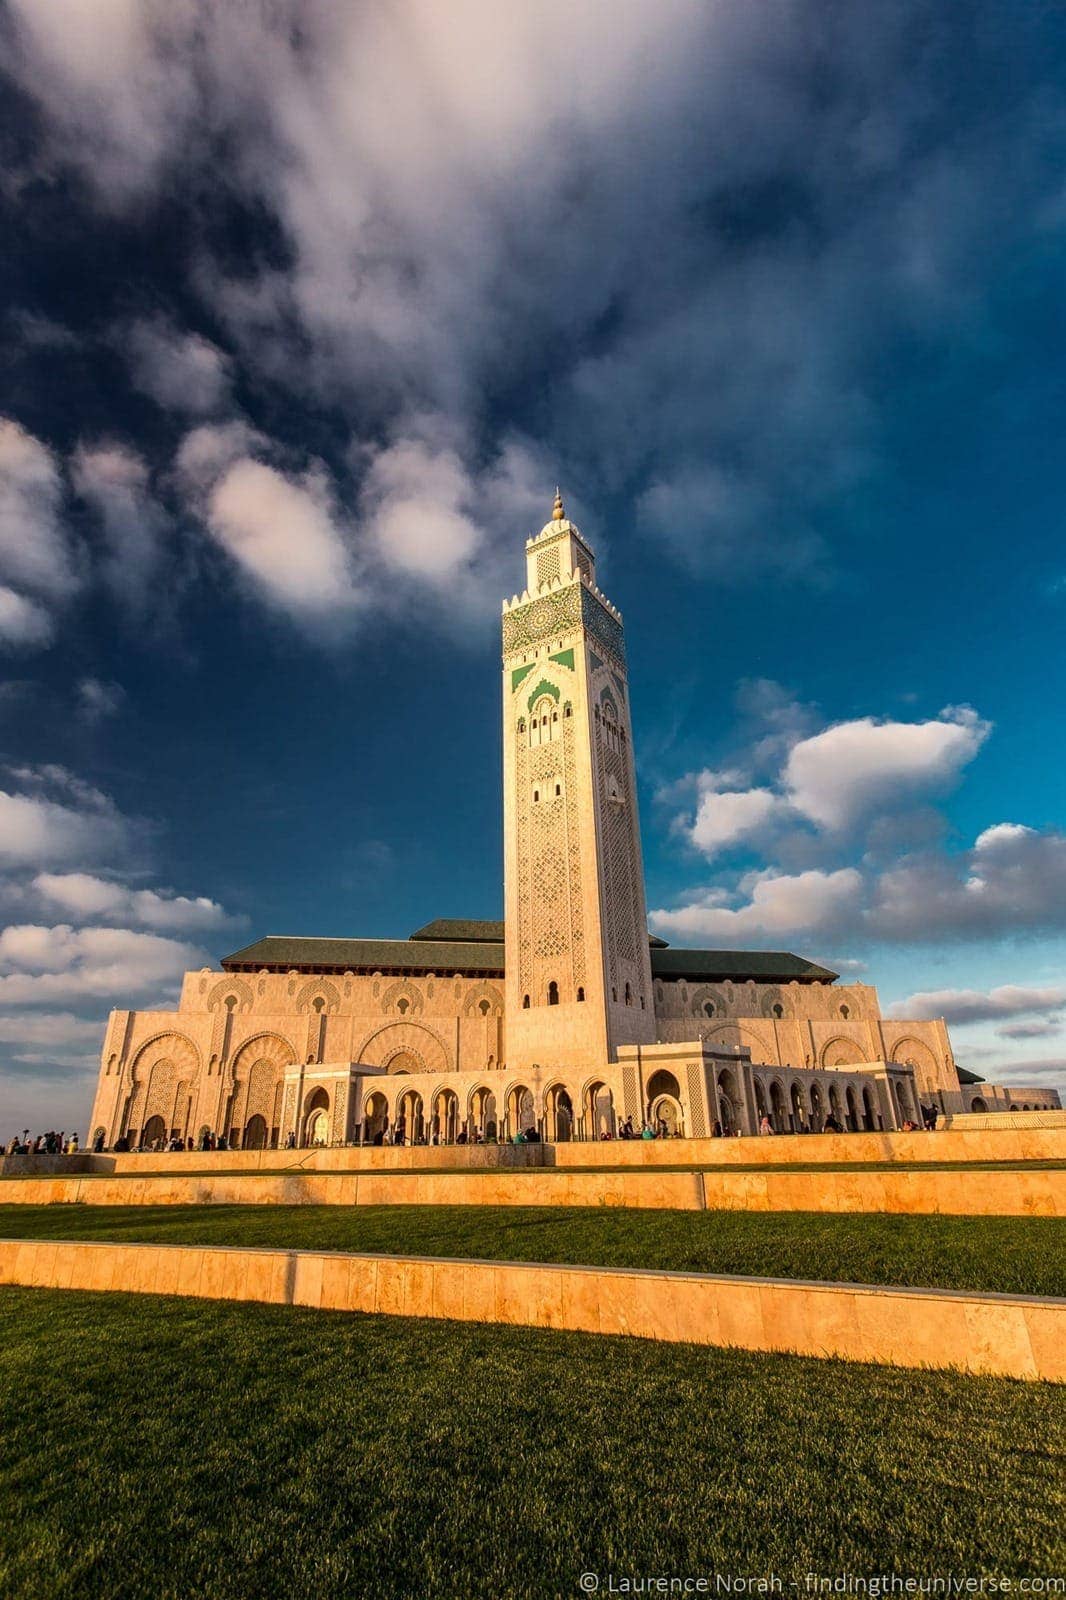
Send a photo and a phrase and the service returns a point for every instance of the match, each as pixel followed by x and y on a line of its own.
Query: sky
pixel 306 307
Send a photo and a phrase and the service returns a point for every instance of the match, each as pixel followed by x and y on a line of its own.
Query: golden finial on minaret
pixel 557 511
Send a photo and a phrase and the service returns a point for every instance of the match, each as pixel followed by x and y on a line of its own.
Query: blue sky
pixel 306 308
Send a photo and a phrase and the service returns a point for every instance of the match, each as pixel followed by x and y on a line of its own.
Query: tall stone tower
pixel 577 956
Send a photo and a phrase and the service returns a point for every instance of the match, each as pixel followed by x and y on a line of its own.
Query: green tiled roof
pixel 367 955
pixel 477 948
pixel 461 932
pixel 711 966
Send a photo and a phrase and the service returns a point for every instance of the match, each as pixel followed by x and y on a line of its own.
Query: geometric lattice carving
pixel 414 1038
pixel 319 989
pixel 403 997
pixel 552 614
pixel 263 1047
pixel 842 1052
pixel 697 1115
pixel 913 1053
pixel 483 1000
pixel 548 565
pixel 226 987
pixel 173 1047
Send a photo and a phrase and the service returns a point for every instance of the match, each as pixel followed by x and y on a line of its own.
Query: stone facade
pixel 566 1019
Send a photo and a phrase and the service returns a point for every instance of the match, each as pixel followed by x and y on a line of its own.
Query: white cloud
pixel 62 1034
pixel 23 622
pixel 285 537
pixel 975 1005
pixel 1002 835
pixel 854 768
pixel 1037 1029
pixel 779 905
pixel 502 228
pixel 415 501
pixel 1012 881
pixel 39 569
pixel 87 897
pixel 206 452
pixel 181 371
pixel 57 965
pixel 1049 1071
pixel 36 829
pixel 724 817
pixel 114 480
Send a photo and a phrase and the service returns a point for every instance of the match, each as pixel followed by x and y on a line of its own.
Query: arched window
pixel 779 1011
pixel 483 1007
pixel 614 994
pixel 521 724
pixel 553 993
pixel 629 995
pixel 525 1002
pixel 568 710
pixel 558 790
pixel 708 1006
pixel 536 795
pixel 581 994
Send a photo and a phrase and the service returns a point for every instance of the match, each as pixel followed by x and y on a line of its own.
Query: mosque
pixel 566 1018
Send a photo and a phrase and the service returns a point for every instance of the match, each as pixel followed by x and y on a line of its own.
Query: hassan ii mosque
pixel 566 1017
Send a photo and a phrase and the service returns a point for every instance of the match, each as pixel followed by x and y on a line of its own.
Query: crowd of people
pixel 54 1144
pixel 45 1144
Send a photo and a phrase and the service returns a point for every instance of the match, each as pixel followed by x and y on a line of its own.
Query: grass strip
pixel 1010 1255
pixel 177 1448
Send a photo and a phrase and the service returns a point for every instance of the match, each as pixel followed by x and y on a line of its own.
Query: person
pixel 765 1125
pixel 934 1116
pixel 716 1131
pixel 98 1141
pixel 910 1126
pixel 831 1125
pixel 72 1146
pixel 122 1145
pixel 290 1139
pixel 647 1132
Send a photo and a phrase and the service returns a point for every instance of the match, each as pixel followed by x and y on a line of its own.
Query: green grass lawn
pixel 1024 1255
pixel 167 1449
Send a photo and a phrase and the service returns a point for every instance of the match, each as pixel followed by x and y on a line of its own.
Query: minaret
pixel 577 955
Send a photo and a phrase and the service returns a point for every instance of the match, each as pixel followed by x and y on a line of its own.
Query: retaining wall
pixel 1034 1192
pixel 1007 1335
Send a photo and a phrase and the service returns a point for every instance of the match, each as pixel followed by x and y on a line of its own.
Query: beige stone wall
pixel 812 1025
pixel 223 1056
pixel 1018 1193
pixel 1008 1335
